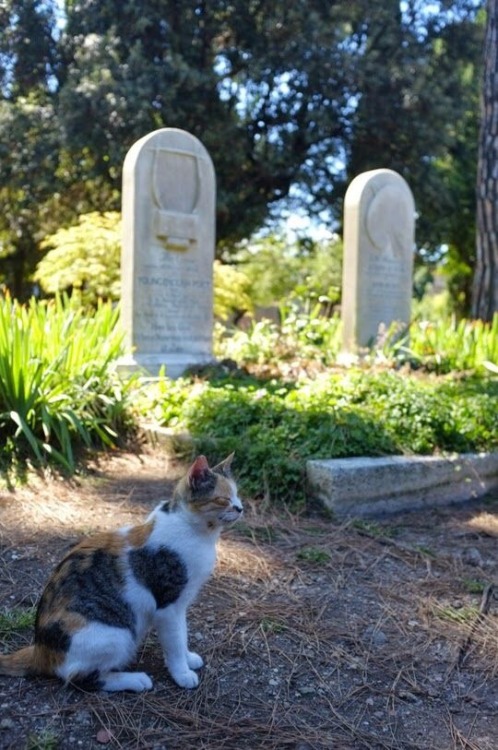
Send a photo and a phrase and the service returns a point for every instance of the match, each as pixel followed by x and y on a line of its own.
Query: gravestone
pixel 379 240
pixel 168 217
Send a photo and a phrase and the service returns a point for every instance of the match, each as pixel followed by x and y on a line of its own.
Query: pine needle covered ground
pixel 365 635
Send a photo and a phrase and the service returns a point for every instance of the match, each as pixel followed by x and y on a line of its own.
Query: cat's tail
pixel 19 664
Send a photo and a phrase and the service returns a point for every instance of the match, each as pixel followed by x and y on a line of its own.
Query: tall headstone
pixel 168 217
pixel 379 240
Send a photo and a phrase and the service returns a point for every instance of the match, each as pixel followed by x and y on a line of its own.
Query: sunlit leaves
pixel 58 389
pixel 84 258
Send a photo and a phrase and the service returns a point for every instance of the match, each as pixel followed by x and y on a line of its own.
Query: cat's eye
pixel 222 500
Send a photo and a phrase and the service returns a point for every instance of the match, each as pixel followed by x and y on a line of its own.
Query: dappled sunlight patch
pixel 484 523
pixel 57 508
pixel 240 559
pixel 119 489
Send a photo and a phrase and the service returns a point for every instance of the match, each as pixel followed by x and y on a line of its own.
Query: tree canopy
pixel 291 98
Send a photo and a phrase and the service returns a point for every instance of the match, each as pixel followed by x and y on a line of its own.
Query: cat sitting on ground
pixel 112 587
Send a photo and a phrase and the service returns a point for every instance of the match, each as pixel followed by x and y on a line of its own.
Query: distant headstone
pixel 379 239
pixel 168 216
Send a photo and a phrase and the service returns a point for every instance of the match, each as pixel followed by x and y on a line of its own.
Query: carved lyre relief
pixel 176 187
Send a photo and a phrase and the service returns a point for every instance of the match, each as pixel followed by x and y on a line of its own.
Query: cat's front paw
pixel 186 679
pixel 134 681
pixel 194 660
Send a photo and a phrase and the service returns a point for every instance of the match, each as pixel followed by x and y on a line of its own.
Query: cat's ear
pixel 199 475
pixel 225 467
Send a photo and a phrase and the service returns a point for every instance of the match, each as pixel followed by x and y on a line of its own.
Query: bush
pixel 279 268
pixel 275 427
pixel 58 389
pixel 84 258
pixel 304 334
pixel 449 344
pixel 231 291
pixel 307 334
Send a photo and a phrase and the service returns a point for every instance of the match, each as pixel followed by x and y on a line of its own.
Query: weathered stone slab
pixel 371 486
pixel 379 239
pixel 168 208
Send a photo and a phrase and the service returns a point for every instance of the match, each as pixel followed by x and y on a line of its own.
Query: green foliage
pixel 84 258
pixel 47 739
pixel 58 389
pixel 306 334
pixel 303 334
pixel 473 585
pixel 14 620
pixel 271 625
pixel 282 95
pixel 279 269
pixel 421 415
pixel 231 291
pixel 416 76
pixel 313 555
pixel 459 615
pixel 26 185
pixel 275 427
pixel 372 528
pixel 448 344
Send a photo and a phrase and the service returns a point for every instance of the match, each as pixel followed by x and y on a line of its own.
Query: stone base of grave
pixel 356 487
pixel 151 365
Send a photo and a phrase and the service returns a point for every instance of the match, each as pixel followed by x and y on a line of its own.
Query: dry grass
pixel 316 635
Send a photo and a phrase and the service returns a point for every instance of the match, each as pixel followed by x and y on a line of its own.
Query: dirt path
pixel 316 635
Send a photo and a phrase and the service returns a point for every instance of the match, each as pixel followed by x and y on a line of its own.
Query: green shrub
pixel 84 258
pixel 279 268
pixel 306 333
pixel 58 389
pixel 447 345
pixel 275 427
pixel 231 291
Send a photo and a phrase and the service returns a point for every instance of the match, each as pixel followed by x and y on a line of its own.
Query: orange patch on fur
pixel 138 535
pixel 46 660
pixel 18 664
pixel 109 541
pixel 32 660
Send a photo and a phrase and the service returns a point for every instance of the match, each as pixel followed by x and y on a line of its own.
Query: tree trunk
pixel 485 288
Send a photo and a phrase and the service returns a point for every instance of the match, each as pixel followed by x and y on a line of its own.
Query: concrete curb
pixel 375 486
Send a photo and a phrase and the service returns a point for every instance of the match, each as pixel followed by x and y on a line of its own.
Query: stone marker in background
pixel 168 209
pixel 379 237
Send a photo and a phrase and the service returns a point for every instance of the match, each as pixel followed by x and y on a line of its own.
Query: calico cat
pixel 112 587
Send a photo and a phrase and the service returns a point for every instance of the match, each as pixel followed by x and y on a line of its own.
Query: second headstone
pixel 379 241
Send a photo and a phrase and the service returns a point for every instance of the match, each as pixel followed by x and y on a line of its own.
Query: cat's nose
pixel 237 508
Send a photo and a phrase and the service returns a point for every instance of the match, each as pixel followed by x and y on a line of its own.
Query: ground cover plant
pixel 278 425
pixel 282 399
